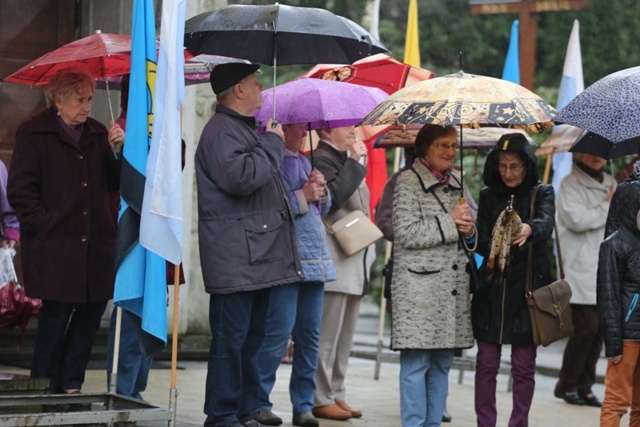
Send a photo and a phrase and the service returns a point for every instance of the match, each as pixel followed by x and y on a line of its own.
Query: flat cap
pixel 224 76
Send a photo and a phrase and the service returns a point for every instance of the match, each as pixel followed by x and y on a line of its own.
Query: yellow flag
pixel 412 42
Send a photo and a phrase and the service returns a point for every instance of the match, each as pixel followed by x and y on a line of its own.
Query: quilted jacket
pixel 619 276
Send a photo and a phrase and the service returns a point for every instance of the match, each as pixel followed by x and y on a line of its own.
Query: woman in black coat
pixel 499 307
pixel 63 165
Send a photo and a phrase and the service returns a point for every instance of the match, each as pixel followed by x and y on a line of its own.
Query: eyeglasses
pixel 445 147
pixel 513 168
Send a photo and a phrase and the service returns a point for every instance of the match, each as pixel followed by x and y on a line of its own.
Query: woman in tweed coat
pixel 431 313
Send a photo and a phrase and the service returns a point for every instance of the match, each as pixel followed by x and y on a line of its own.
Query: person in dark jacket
pixel 617 202
pixel 62 168
pixel 246 237
pixel 499 308
pixel 618 290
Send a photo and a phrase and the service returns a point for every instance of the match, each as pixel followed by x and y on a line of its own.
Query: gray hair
pixel 68 81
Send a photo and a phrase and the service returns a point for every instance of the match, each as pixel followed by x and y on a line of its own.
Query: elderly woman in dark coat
pixel 499 308
pixel 63 165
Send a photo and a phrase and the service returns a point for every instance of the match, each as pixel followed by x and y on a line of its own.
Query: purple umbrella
pixel 322 104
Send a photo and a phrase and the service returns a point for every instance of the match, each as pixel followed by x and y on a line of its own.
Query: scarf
pixel 598 175
pixel 508 224
pixel 444 177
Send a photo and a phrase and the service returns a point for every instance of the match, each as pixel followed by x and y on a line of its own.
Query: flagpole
pixel 173 393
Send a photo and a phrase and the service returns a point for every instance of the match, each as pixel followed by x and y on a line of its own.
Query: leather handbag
pixel 355 231
pixel 549 307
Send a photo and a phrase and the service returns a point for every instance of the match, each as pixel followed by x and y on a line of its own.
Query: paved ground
pixel 377 398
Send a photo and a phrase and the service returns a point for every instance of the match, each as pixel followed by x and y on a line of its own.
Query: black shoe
pixel 253 423
pixel 573 398
pixel 446 416
pixel 592 400
pixel 558 393
pixel 266 417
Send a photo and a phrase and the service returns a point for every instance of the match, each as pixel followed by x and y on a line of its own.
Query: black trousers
pixel 578 372
pixel 64 340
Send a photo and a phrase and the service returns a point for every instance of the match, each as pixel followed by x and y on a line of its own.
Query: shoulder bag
pixel 549 307
pixel 355 231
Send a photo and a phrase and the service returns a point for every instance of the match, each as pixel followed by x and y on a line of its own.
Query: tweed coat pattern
pixel 431 307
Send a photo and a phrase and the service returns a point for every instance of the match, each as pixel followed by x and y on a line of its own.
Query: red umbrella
pixel 101 54
pixel 104 55
pixel 381 71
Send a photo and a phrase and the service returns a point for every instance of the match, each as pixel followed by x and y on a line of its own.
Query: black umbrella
pixel 280 35
pixel 592 143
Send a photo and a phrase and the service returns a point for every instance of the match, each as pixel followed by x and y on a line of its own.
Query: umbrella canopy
pixel 279 35
pixel 608 108
pixel 323 104
pixel 197 69
pixel 465 99
pixel 101 54
pixel 561 139
pixel 381 71
pixel 482 138
pixel 592 143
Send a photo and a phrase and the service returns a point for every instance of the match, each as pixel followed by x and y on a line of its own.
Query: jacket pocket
pixel 424 272
pixel 266 237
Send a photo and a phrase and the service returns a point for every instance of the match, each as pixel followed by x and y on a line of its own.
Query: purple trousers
pixel 523 370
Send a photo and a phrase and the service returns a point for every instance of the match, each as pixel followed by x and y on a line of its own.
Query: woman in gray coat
pixel 431 313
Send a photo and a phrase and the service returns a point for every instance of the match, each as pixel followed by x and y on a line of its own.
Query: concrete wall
pixel 114 16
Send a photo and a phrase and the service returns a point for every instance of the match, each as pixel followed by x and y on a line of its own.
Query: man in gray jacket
pixel 246 236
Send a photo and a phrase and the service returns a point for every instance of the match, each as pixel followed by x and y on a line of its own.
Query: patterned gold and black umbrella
pixel 468 100
pixel 465 99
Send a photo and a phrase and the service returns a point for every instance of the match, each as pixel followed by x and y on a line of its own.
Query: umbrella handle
pixel 274 122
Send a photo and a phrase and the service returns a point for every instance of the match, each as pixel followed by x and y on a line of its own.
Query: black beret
pixel 224 76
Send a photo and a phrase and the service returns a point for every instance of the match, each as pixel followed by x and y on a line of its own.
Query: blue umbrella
pixel 608 108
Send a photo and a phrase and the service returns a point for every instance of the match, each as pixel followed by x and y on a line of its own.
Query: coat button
pixel 455 266
pixel 454 292
pixel 445 190
pixel 84 183
pixel 85 211
pixel 80 156
pixel 264 226
pixel 83 238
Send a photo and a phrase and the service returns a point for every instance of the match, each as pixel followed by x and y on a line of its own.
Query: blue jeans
pixel 238 324
pixel 424 383
pixel 294 310
pixel 133 363
pixel 63 344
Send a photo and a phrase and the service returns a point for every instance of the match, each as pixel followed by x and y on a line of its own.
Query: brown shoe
pixel 355 413
pixel 331 412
